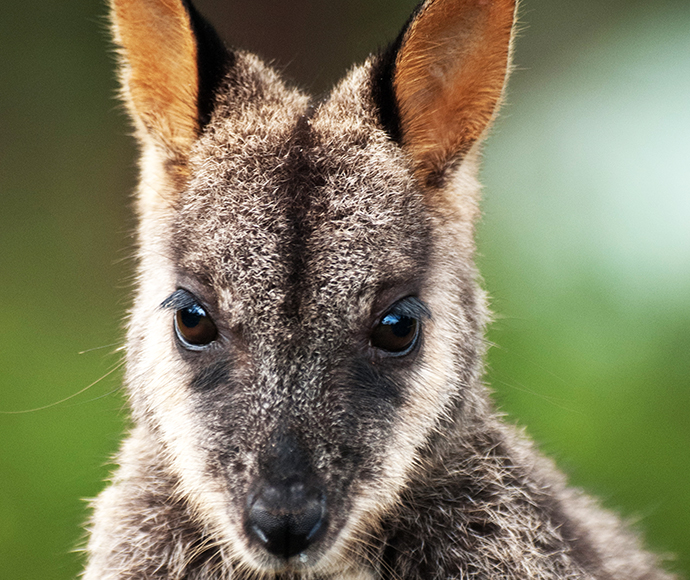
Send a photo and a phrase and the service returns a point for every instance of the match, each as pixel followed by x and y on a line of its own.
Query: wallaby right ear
pixel 162 45
pixel 440 84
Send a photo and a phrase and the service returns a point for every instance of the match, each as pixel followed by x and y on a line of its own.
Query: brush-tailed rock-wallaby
pixel 304 354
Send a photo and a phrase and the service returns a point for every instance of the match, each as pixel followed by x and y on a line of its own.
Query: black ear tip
pixel 214 60
pixel 383 93
pixel 382 76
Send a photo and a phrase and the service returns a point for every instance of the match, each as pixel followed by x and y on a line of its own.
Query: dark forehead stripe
pixel 302 179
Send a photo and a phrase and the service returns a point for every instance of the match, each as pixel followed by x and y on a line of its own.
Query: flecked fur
pixel 296 225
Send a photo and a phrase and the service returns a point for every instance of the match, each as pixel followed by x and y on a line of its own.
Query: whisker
pixel 120 347
pixel 79 392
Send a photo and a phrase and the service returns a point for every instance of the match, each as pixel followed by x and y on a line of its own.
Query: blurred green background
pixel 585 247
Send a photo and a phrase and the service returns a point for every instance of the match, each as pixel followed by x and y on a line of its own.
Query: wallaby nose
pixel 288 518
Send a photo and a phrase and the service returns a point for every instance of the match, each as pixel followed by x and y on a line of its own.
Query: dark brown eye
pixel 194 327
pixel 396 334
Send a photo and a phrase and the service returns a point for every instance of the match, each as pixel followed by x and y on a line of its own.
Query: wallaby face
pixel 304 352
pixel 307 244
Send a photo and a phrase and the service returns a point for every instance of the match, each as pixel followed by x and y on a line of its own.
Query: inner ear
pixel 439 85
pixel 172 63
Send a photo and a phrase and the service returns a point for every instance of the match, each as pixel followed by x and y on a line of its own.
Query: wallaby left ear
pixel 449 73
pixel 172 62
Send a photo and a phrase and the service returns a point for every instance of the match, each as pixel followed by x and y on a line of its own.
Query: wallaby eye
pixel 398 331
pixel 194 327
pixel 395 333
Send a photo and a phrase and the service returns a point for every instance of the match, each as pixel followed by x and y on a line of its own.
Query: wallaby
pixel 304 353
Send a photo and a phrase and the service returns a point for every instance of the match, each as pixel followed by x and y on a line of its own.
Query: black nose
pixel 287 518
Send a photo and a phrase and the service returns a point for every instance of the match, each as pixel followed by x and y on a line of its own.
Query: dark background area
pixel 585 247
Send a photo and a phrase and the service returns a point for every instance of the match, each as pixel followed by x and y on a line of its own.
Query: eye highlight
pixel 398 332
pixel 193 326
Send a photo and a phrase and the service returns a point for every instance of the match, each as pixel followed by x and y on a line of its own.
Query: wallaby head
pixel 307 316
pixel 306 341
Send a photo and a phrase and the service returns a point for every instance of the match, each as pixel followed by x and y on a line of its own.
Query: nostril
pixel 265 524
pixel 286 521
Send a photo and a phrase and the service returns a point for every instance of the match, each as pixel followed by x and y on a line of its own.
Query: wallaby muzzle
pixel 286 510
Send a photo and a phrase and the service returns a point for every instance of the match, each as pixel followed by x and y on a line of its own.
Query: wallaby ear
pixel 448 79
pixel 162 43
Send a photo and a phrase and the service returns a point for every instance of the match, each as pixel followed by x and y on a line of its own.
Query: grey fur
pixel 297 227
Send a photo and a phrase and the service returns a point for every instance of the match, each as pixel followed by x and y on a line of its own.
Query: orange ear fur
pixel 450 74
pixel 159 72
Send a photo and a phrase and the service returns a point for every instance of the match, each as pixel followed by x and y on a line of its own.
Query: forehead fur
pixel 295 203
